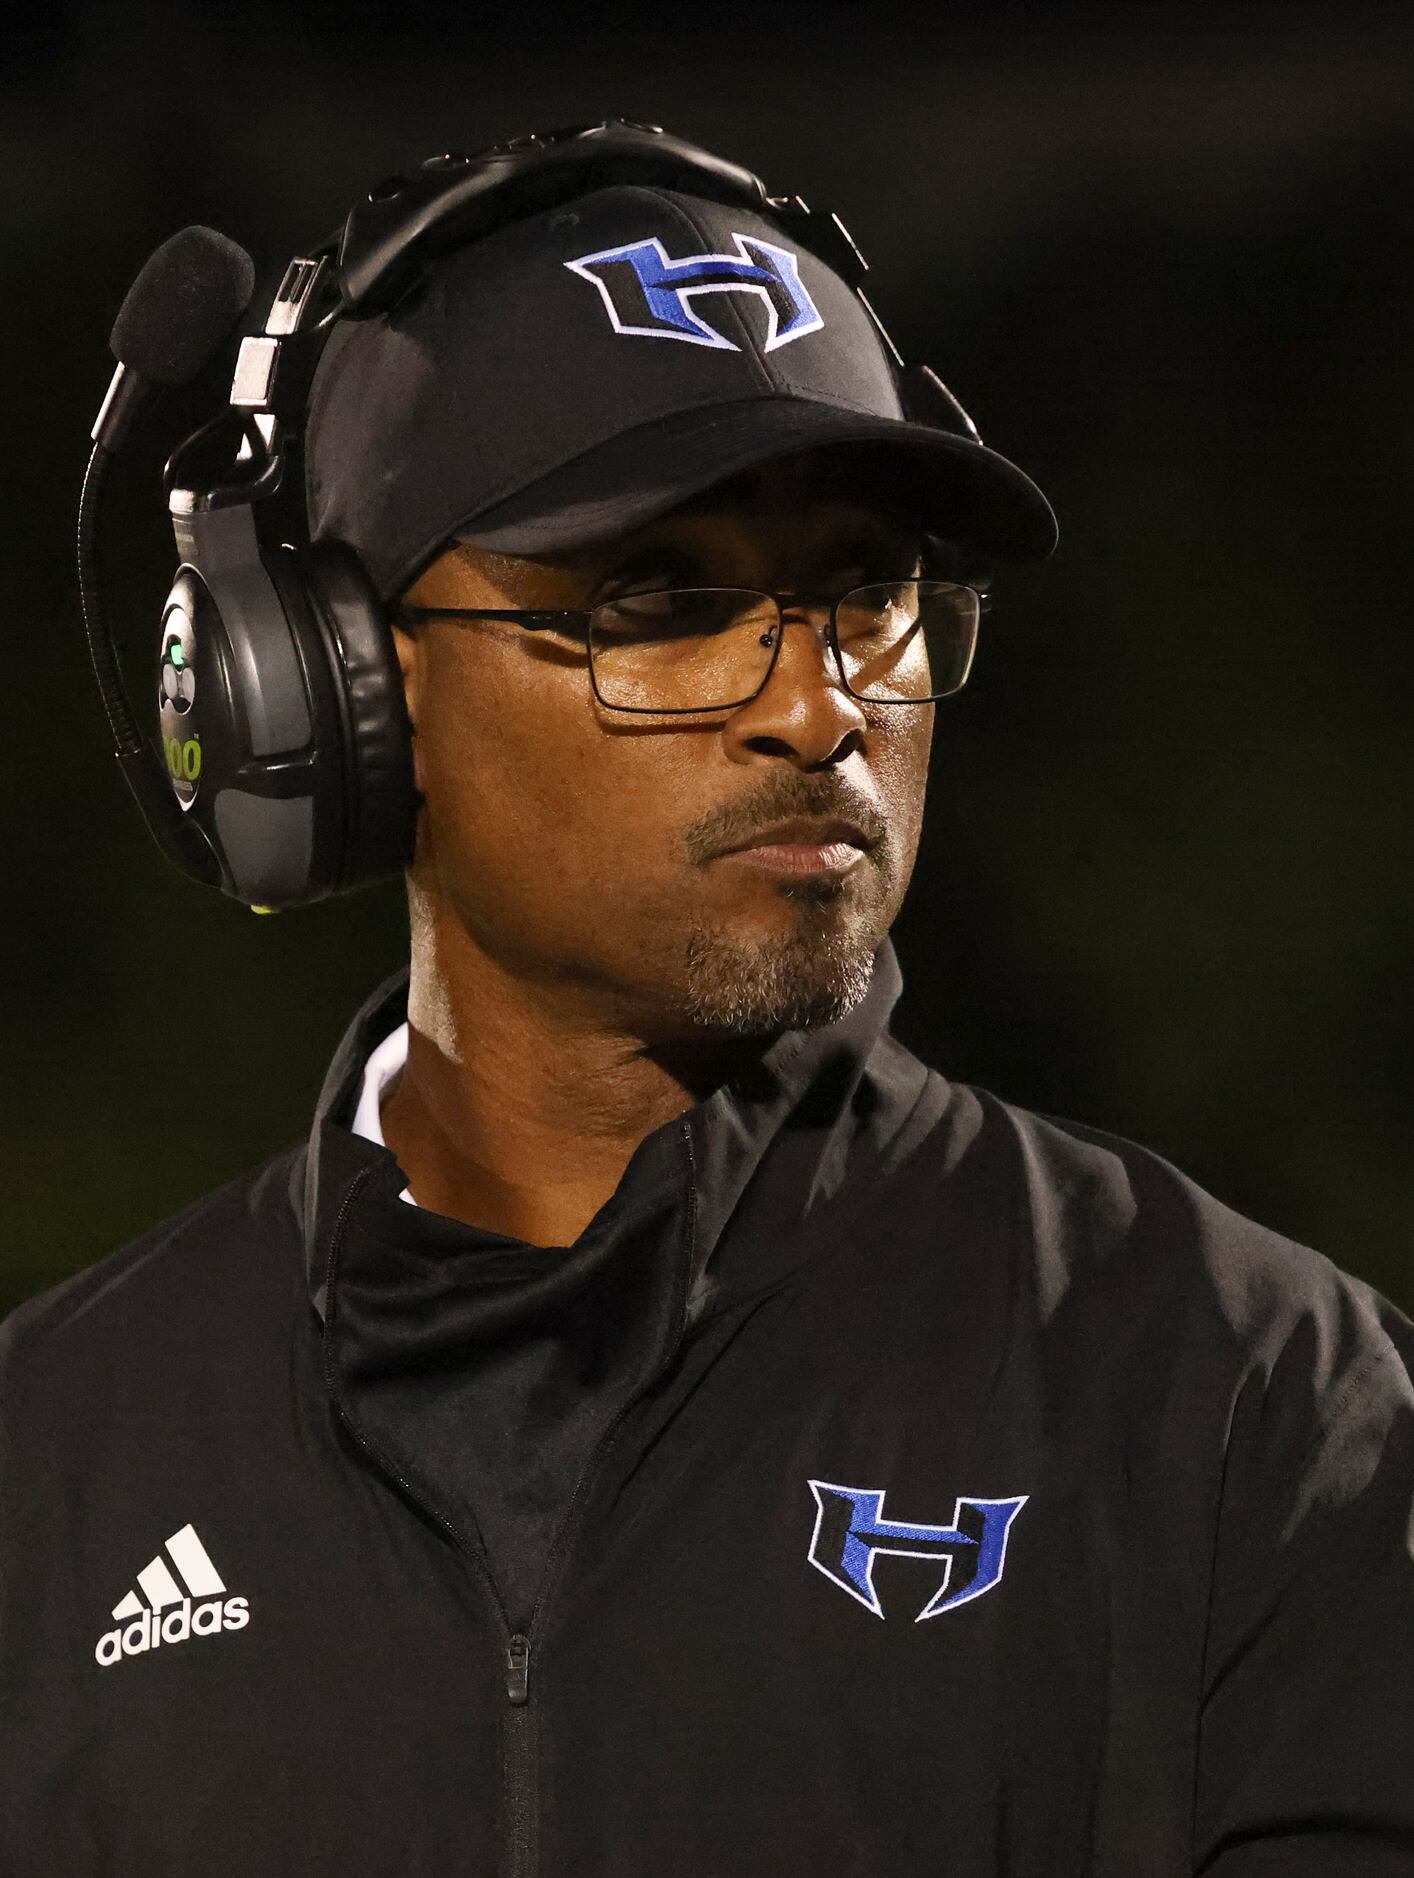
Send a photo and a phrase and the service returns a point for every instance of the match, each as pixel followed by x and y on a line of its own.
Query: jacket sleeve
pixel 1306 1744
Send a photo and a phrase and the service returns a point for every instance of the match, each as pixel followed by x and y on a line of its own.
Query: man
pixel 655 1424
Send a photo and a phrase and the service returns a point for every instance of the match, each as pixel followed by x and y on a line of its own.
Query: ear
pixel 410 665
pixel 409 661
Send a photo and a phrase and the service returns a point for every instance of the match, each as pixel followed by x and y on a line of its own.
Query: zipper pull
pixel 518 1669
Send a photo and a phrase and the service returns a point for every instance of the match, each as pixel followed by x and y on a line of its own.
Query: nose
pixel 803 712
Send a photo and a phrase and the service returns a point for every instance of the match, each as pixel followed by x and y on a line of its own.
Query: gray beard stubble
pixel 813 976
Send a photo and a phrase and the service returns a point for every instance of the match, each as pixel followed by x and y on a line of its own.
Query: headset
pixel 287 772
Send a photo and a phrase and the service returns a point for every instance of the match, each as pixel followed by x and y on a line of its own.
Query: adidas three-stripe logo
pixel 183 1598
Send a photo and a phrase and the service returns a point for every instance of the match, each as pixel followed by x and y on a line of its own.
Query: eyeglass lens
pixel 706 648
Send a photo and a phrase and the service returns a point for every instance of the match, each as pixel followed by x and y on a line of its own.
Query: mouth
pixel 818 845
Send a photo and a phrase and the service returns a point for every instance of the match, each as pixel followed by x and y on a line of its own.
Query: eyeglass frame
pixel 542 619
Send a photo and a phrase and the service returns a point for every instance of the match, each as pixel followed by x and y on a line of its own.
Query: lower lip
pixel 801 857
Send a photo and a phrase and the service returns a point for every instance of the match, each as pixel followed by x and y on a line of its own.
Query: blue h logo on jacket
pixel 850 1531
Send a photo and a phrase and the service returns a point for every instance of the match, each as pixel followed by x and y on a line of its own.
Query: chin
pixel 810 974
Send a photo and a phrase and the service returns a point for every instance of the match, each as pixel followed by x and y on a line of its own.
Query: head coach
pixel 654 1424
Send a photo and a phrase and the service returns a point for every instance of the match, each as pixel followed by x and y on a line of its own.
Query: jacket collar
pixel 736 1177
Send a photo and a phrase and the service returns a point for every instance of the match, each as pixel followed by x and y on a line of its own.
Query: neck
pixel 522 1102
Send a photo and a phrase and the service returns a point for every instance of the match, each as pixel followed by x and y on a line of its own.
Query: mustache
pixel 737 822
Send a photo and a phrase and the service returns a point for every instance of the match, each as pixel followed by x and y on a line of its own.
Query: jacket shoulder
pixel 1113 1234
pixel 190 1279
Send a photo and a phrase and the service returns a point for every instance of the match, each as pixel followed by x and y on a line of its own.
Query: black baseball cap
pixel 577 373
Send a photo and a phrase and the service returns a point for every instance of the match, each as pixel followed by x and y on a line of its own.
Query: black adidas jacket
pixel 888 1482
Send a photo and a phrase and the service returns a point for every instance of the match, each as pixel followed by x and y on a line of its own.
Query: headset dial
pixel 178 684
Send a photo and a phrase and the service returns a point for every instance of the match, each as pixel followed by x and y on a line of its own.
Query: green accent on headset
pixel 183 759
pixel 176 655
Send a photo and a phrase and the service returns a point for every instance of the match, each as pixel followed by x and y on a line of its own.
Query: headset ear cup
pixel 381 798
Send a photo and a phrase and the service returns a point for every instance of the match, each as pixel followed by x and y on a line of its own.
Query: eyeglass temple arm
pixel 536 620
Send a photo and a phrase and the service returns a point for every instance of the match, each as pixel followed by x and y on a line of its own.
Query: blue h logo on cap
pixel 647 294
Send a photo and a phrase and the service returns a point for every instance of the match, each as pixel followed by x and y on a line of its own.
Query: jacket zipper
pixel 596 1460
pixel 519 1770
pixel 520 1821
pixel 520 1774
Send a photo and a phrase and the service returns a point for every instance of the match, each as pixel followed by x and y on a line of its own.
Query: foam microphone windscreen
pixel 182 306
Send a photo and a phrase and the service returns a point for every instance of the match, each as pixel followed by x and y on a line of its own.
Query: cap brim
pixel 953 485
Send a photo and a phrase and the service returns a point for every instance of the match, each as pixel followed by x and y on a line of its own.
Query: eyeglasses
pixel 688 649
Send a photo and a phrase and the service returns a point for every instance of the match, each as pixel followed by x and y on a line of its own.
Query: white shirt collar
pixel 382 1066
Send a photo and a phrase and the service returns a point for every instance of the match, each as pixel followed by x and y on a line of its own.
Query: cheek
pixel 533 810
pixel 900 747
pixel 497 761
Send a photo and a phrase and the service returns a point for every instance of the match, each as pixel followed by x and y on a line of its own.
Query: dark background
pixel 1164 258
